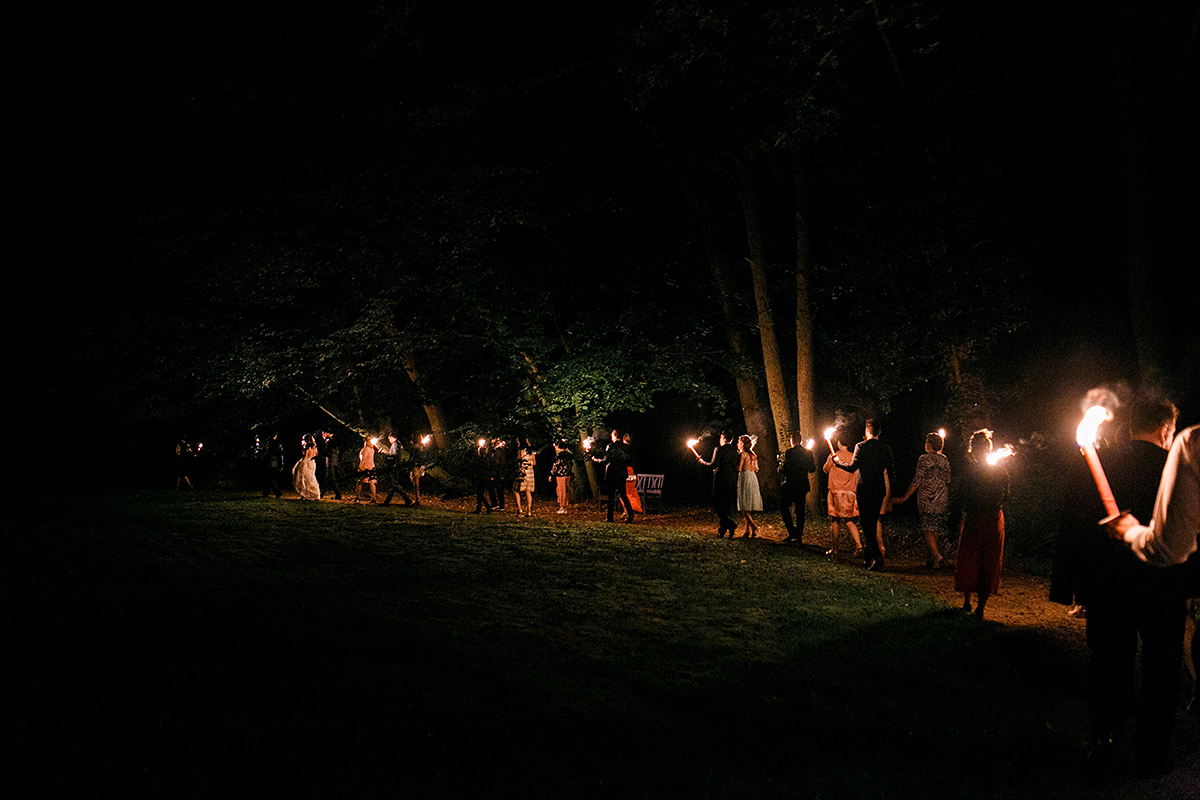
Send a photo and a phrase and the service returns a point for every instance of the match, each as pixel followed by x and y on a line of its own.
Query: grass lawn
pixel 192 644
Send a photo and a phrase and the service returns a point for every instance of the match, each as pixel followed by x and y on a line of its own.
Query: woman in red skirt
pixel 981 530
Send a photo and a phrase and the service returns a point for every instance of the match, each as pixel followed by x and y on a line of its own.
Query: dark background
pixel 166 163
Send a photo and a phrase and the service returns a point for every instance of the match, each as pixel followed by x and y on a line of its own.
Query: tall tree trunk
pixel 772 367
pixel 805 414
pixel 754 415
pixel 757 420
pixel 433 409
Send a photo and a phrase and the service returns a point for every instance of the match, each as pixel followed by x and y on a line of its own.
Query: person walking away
pixel 841 502
pixel 981 526
pixel 797 465
pixel 875 464
pixel 932 486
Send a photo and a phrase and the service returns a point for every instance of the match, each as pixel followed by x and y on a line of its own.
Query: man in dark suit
pixel 616 459
pixel 327 464
pixel 797 465
pixel 724 462
pixel 1128 600
pixel 875 464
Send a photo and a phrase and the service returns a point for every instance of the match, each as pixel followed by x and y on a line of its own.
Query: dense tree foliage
pixel 457 216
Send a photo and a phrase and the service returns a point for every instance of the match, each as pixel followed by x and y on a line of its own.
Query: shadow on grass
pixel 227 644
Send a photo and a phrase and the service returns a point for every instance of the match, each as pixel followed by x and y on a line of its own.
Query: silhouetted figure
pixel 483 478
pixel 398 477
pixel 798 464
pixel 272 465
pixel 1129 601
pixel 184 460
pixel 616 460
pixel 981 528
pixel 724 461
pixel 327 465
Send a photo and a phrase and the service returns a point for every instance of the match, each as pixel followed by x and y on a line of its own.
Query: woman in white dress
pixel 304 474
pixel 748 495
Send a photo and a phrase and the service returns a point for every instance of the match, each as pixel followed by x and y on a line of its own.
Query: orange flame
pixel 1085 434
pixel 996 457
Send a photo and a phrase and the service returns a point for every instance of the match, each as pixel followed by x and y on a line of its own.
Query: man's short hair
pixel 1148 414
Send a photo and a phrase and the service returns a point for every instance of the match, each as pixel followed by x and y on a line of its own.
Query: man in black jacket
pixel 1127 600
pixel 875 464
pixel 797 464
pixel 724 461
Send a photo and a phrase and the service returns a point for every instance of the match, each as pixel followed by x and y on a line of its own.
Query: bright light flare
pixel 691 443
pixel 483 442
pixel 809 444
pixel 996 456
pixel 1093 418
pixel 1085 436
pixel 942 433
pixel 426 439
pixel 830 431
pixel 588 442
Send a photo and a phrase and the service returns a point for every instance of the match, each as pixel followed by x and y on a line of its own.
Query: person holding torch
pixel 1133 597
pixel 981 526
pixel 724 461
pixel 797 464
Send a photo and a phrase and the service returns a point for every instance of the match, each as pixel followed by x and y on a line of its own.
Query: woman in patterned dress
pixel 525 482
pixel 560 475
pixel 932 485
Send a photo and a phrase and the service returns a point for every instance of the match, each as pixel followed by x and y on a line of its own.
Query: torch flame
pixel 482 442
pixel 427 438
pixel 693 442
pixel 996 457
pixel 941 432
pixel 587 443
pixel 1085 434
pixel 830 431
pixel 809 444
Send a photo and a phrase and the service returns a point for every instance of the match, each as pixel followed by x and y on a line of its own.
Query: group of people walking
pixel 317 473
pixel 860 488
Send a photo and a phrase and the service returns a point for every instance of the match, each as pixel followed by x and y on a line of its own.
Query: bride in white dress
pixel 304 474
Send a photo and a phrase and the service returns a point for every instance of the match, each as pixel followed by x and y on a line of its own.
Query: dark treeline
pixel 462 217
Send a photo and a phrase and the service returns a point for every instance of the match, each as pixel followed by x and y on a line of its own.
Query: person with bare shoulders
pixel 748 496
pixel 842 501
pixel 366 470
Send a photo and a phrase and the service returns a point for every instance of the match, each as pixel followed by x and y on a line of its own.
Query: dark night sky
pixel 122 118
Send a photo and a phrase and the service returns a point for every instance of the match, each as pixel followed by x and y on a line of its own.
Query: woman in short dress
pixel 932 487
pixel 525 482
pixel 560 474
pixel 843 501
pixel 749 497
